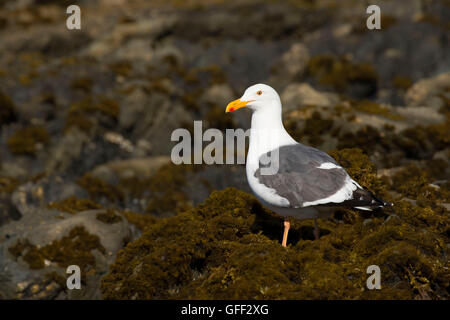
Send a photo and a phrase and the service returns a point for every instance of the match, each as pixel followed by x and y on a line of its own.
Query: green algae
pixel 8 185
pixel 414 182
pixel 434 20
pixel 339 72
pixel 7 109
pixel 360 168
pixel 83 83
pixel 121 68
pixel 313 128
pixel 78 120
pixel 368 106
pixel 55 277
pixel 109 217
pixel 211 74
pixel 98 189
pixel 73 205
pixel 158 85
pixel 402 82
pixel 367 138
pixel 196 79
pixel 421 141
pixel 216 74
pixel 140 220
pixel 25 140
pixel 216 119
pixel 166 186
pixel 190 99
pixel 410 181
pixel 418 142
pixel 85 113
pixel 75 248
pixel 189 253
pixel 163 190
pixel 229 248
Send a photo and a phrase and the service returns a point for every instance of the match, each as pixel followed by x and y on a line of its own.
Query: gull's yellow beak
pixel 236 104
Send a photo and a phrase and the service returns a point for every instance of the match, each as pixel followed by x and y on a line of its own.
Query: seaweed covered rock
pixel 7 109
pixel 74 248
pixel 360 168
pixel 357 79
pixel 184 245
pixel 73 205
pixel 229 248
pixel 28 140
pixel 36 250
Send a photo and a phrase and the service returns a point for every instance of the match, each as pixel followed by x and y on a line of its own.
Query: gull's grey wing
pixel 300 180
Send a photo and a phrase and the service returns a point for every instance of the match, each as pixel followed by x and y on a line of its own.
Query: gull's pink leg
pixel 287 225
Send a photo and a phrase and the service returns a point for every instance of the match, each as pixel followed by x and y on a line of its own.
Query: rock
pixel 420 115
pixel 15 169
pixel 135 102
pixel 294 61
pixel 46 228
pixel 302 94
pixel 30 196
pixel 218 94
pixel 425 92
pixel 155 119
pixel 142 168
pixel 67 151
pixel 121 33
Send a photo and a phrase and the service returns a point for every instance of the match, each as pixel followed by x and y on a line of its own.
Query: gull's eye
pixel 259 93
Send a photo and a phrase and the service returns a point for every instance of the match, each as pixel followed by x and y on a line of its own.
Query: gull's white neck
pixel 267 133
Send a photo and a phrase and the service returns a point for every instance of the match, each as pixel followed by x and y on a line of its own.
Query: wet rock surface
pixel 86 121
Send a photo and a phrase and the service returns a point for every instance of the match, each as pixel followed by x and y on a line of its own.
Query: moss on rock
pixel 229 248
pixel 402 82
pixel 410 181
pixel 75 248
pixel 98 188
pixel 415 183
pixel 109 217
pixel 360 168
pixel 141 221
pixel 420 142
pixel 7 109
pixel 122 68
pixel 339 73
pixel 367 138
pixel 73 205
pixel 370 107
pixel 83 83
pixel 8 185
pixel 25 141
pixel 166 190
pixel 313 128
pixel 84 114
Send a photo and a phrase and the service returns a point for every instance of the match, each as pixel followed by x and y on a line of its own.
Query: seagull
pixel 292 179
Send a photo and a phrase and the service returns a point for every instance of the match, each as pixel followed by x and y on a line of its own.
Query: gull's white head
pixel 259 97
